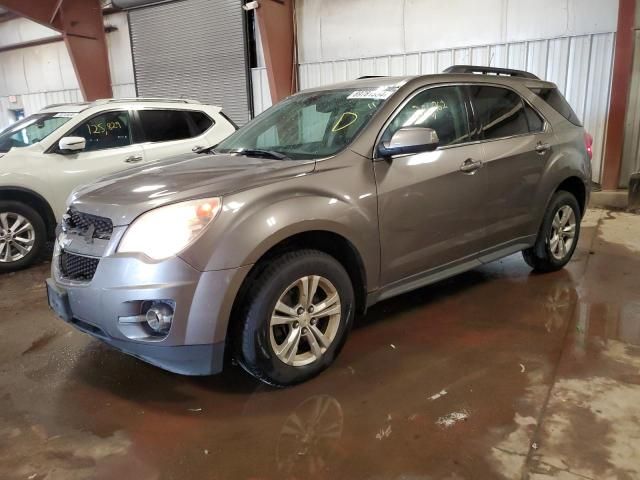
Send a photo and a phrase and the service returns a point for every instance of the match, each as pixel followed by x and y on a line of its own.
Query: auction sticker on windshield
pixel 374 94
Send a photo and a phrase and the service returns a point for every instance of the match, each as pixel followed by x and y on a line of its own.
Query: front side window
pixel 164 125
pixel 103 131
pixel 500 112
pixel 442 109
pixel 32 129
pixel 310 125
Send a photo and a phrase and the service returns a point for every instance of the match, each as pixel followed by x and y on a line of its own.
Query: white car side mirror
pixel 72 144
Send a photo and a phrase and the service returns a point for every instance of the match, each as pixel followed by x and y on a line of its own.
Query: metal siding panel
pixel 353 68
pixel 517 56
pixel 498 56
pixel 190 49
pixel 462 56
pixel 578 69
pixel 428 63
pixel 397 65
pixel 367 66
pixel 326 73
pixel 382 66
pixel 631 150
pixel 558 61
pixel 340 71
pixel 412 64
pixel 480 56
pixel 597 96
pixel 537 58
pixel 444 59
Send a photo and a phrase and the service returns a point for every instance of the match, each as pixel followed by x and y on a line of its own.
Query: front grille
pixel 83 222
pixel 78 267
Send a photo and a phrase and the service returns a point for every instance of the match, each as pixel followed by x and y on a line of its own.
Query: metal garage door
pixel 192 49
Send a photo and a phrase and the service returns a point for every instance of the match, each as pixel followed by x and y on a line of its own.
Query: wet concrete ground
pixel 497 373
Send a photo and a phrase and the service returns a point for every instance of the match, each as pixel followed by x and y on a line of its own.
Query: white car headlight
pixel 166 231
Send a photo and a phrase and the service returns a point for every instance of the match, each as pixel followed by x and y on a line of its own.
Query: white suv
pixel 48 154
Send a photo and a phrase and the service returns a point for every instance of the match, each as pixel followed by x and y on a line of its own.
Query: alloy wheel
pixel 305 320
pixel 563 232
pixel 17 237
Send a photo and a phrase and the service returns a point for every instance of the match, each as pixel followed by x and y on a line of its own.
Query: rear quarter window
pixel 556 100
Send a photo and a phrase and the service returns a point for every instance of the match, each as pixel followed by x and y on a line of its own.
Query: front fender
pixel 253 222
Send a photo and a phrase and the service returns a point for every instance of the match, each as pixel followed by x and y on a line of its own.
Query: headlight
pixel 166 231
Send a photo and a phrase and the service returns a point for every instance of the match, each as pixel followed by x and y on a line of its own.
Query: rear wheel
pixel 558 235
pixel 22 236
pixel 297 316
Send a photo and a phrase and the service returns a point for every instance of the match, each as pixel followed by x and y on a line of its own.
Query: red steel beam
pixel 82 28
pixel 275 19
pixel 620 85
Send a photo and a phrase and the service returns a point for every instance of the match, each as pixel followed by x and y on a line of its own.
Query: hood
pixel 126 195
pixel 14 159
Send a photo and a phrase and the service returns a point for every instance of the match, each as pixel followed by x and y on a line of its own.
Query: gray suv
pixel 266 247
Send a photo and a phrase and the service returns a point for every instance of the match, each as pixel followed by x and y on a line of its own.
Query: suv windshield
pixel 308 125
pixel 32 129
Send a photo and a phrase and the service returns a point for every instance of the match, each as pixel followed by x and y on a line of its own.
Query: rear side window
pixel 536 124
pixel 554 98
pixel 164 125
pixel 201 121
pixel 500 111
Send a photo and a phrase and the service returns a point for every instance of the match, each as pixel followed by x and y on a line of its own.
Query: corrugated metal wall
pixel 631 150
pixel 579 65
pixel 192 49
pixel 261 93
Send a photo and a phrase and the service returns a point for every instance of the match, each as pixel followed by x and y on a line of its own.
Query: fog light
pixel 159 317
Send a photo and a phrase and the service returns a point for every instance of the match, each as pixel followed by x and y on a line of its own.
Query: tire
pixel 257 340
pixel 13 259
pixel 547 255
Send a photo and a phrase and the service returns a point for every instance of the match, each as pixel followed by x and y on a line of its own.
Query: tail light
pixel 588 143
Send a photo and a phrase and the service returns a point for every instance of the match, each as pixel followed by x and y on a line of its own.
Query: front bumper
pixel 121 284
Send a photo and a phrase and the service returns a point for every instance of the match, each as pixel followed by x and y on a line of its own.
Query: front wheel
pixel 298 313
pixel 22 236
pixel 558 235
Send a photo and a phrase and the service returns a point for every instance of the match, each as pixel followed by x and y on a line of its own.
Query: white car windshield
pixel 32 129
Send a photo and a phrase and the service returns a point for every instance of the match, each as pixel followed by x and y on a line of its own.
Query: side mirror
pixel 71 144
pixel 408 140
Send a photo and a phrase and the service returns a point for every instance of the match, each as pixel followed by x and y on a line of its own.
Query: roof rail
pixel 143 99
pixel 55 105
pixel 490 71
pixel 370 76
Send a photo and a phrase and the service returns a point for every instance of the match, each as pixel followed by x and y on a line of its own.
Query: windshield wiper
pixel 203 150
pixel 256 152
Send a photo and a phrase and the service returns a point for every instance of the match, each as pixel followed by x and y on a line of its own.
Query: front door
pixel 431 204
pixel 108 149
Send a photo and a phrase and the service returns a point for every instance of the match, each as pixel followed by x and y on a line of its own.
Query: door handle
pixel 542 147
pixel 133 159
pixel 470 166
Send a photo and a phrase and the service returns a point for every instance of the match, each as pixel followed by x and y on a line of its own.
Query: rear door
pixel 430 209
pixel 517 144
pixel 164 133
